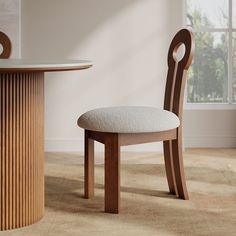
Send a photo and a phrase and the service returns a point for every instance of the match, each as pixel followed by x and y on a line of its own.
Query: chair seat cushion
pixel 128 119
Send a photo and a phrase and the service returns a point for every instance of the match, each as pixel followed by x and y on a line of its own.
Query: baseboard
pixel 63 145
pixel 210 141
pixel 190 141
pixel 77 145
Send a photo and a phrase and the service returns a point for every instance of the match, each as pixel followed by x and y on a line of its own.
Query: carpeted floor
pixel 146 206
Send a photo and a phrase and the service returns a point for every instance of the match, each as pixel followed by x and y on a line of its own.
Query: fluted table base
pixel 22 149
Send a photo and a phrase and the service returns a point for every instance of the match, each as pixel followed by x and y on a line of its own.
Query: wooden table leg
pixel 22 149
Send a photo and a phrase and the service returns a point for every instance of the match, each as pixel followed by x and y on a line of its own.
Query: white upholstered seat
pixel 129 119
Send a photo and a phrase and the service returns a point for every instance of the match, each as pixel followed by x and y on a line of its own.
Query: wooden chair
pixel 6 46
pixel 121 126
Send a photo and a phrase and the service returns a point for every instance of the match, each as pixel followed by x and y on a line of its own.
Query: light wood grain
pixel 22 149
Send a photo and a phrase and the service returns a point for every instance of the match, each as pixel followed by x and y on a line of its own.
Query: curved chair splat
pixel 174 95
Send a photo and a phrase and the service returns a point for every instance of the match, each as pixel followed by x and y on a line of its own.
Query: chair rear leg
pixel 112 174
pixel 89 166
pixel 169 166
pixel 179 167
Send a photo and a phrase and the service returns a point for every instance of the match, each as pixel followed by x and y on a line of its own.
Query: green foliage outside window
pixel 208 75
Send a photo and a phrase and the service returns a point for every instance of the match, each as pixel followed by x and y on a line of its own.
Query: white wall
pixel 127 40
pixel 10 24
pixel 210 128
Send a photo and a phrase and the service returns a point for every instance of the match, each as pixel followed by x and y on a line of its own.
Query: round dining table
pixel 22 137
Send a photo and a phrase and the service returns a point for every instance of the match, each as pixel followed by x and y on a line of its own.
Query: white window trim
pixel 214 106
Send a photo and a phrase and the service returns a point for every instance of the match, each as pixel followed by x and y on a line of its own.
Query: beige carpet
pixel 146 206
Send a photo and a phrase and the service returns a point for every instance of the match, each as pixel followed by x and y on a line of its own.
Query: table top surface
pixel 26 65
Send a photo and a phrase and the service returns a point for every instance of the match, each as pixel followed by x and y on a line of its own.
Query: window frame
pixel 230 30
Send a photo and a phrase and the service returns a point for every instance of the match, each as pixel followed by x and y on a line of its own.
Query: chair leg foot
pixel 168 157
pixel 179 167
pixel 89 167
pixel 112 174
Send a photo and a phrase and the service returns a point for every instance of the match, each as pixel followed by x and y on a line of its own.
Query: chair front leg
pixel 112 174
pixel 89 166
pixel 169 166
pixel 177 152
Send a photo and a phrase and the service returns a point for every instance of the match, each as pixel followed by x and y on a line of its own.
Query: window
pixel 212 76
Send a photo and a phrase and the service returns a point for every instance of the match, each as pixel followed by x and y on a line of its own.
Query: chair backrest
pixel 176 76
pixel 6 46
